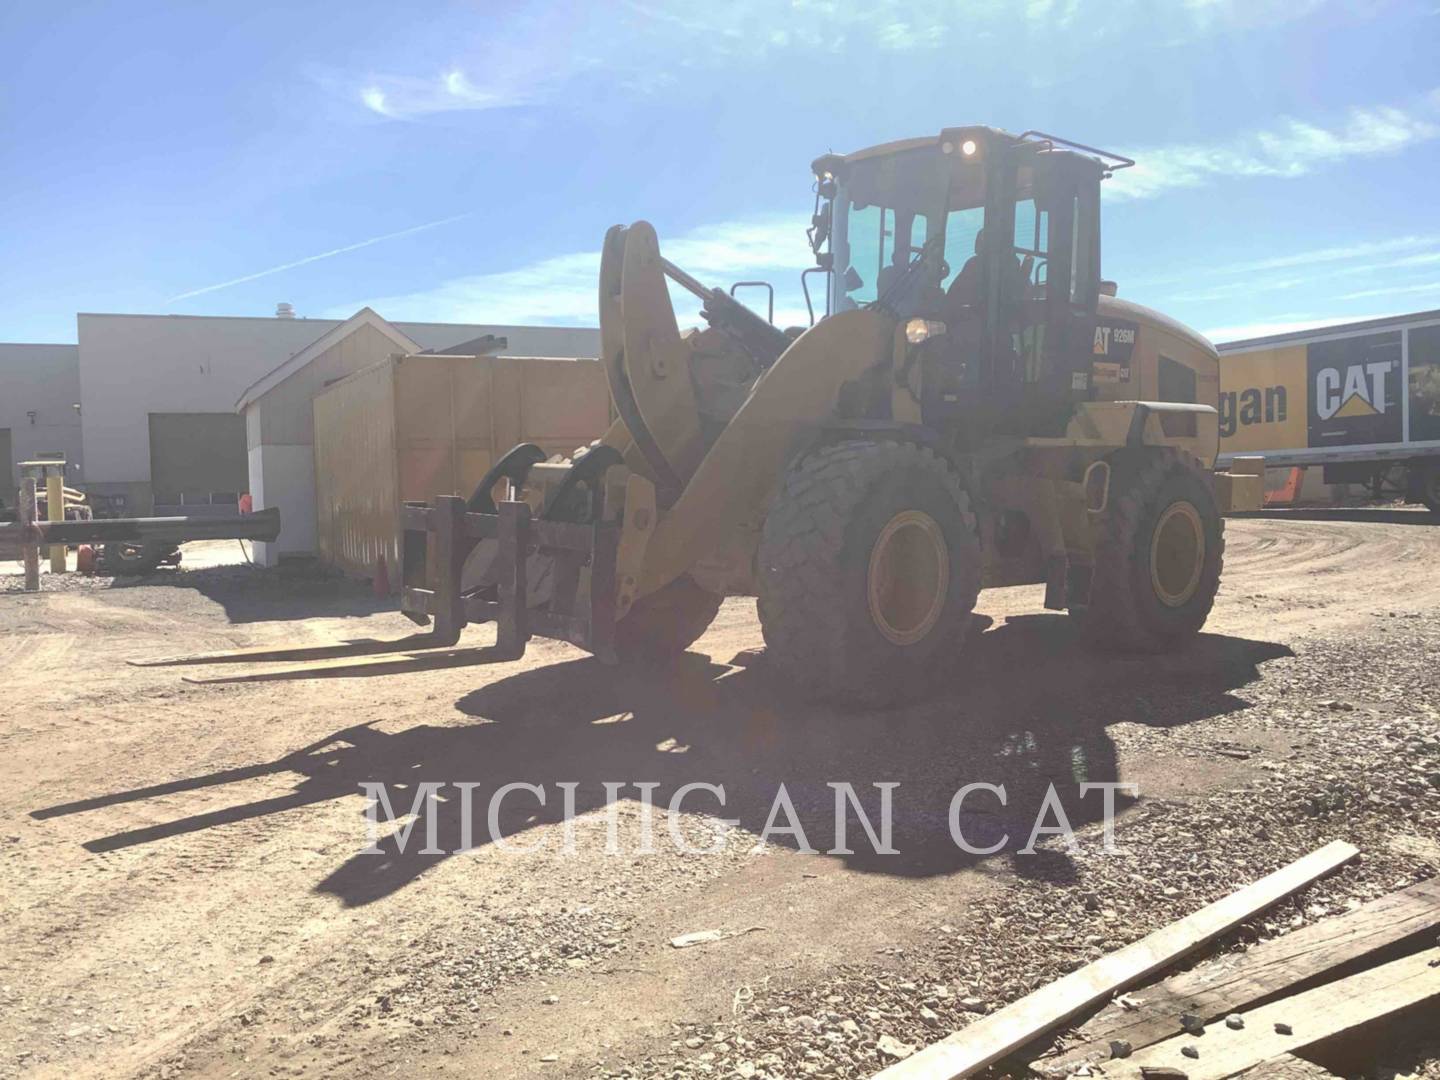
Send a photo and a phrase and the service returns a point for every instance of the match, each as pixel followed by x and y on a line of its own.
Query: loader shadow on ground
pixel 1028 707
pixel 256 594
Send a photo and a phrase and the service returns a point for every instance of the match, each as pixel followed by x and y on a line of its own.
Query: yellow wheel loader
pixel 973 408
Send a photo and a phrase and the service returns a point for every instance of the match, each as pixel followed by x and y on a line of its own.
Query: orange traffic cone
pixel 381 581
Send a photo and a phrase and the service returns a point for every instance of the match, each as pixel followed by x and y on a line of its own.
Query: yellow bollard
pixel 55 503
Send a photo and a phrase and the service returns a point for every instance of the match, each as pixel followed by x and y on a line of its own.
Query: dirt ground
pixel 185 892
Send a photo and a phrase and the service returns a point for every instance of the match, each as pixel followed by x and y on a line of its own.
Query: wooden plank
pixel 268 653
pixel 1311 1017
pixel 1289 1067
pixel 1234 982
pixel 969 1050
pixel 390 663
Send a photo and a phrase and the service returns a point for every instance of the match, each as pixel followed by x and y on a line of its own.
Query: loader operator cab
pixel 992 242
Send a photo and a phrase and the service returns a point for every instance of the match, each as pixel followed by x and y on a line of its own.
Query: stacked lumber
pixel 1241 1015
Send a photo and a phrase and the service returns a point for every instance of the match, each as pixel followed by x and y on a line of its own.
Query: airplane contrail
pixel 316 258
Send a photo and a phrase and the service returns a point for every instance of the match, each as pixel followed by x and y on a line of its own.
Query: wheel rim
pixel 1177 554
pixel 908 578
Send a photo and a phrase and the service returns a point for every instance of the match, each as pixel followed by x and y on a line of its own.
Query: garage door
pixel 196 455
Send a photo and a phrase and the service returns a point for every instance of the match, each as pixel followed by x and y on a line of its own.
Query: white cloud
pixel 1280 324
pixel 1367 250
pixel 562 289
pixel 398 97
pixel 1328 265
pixel 1293 148
pixel 539 52
pixel 1432 287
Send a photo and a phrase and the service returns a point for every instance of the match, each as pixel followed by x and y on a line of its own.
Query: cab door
pixel 1058 368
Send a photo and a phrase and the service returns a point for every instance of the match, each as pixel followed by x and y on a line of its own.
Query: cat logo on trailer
pixel 1359 390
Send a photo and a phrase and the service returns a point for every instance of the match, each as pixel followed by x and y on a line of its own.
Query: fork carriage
pixel 581 608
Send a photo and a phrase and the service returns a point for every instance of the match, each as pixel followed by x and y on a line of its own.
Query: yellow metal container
pixel 414 427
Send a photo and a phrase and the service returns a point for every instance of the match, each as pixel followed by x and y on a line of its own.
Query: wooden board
pixel 987 1040
pixel 388 664
pixel 269 653
pixel 1313 1016
pixel 1234 982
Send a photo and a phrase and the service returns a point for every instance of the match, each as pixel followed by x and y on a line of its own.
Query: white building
pixel 278 410
pixel 158 393
pixel 39 409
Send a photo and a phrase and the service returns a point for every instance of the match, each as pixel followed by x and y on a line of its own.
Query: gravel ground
pixel 185 894
pixel 1370 772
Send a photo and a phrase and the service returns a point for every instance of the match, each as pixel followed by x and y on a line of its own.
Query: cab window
pixel 1032 240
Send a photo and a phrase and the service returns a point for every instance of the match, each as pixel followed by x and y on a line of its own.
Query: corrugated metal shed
pixel 415 427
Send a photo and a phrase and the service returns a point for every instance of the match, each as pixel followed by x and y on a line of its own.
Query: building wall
pixel 280 436
pixel 45 380
pixel 284 477
pixel 133 365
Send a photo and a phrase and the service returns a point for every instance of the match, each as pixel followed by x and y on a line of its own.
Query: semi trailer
pixel 1359 400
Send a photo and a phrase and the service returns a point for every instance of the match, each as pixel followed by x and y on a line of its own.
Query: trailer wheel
pixel 1429 488
pixel 125 558
pixel 665 623
pixel 869 569
pixel 1159 555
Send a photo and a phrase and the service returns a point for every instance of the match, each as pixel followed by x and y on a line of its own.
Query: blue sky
pixel 461 161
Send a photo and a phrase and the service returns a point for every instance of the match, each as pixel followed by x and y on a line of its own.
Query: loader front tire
pixel 665 623
pixel 868 571
pixel 1158 557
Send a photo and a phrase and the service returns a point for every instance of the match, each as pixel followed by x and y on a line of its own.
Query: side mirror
pixel 851 279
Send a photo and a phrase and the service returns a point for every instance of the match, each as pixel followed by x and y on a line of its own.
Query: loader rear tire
pixel 665 623
pixel 869 568
pixel 1159 556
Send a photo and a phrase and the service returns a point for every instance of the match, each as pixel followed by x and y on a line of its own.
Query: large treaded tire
pixel 1125 611
pixel 814 565
pixel 666 623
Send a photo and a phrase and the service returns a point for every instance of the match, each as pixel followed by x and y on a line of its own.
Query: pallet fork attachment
pixel 583 617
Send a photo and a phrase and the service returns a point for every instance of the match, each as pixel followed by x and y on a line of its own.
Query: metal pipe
pixel 262 525
pixel 684 280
